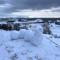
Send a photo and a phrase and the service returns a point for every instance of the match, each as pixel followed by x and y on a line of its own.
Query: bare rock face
pixel 46 28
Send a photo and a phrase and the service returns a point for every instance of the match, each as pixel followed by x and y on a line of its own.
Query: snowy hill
pixel 29 44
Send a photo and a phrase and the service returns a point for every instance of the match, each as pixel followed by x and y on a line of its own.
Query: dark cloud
pixel 34 4
pixel 29 4
pixel 2 1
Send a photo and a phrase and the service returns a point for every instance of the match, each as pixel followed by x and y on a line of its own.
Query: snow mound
pixel 55 30
pixel 14 35
pixel 33 35
pixel 26 34
pixel 4 36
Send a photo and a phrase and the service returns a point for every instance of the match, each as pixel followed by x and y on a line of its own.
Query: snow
pixel 14 35
pixel 55 29
pixel 30 44
pixel 32 35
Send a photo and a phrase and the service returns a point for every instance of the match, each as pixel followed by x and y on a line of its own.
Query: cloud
pixel 2 1
pixel 32 4
pixel 5 7
pixel 35 4
pixel 8 7
pixel 37 13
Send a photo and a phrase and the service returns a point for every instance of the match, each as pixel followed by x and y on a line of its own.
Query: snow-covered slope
pixel 29 44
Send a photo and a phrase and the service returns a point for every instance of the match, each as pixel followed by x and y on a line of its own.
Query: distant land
pixel 13 19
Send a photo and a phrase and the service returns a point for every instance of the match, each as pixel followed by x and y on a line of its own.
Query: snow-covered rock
pixel 55 30
pixel 26 34
pixel 4 36
pixel 14 35
pixel 38 35
pixel 36 26
pixel 33 35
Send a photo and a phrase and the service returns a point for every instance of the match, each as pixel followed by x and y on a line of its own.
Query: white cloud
pixel 3 6
pixel 52 12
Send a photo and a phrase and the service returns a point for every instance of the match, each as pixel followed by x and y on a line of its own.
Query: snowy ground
pixel 30 44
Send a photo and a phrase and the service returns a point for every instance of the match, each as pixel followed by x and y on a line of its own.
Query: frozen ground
pixel 30 44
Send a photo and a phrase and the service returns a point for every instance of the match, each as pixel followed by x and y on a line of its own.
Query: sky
pixel 30 8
